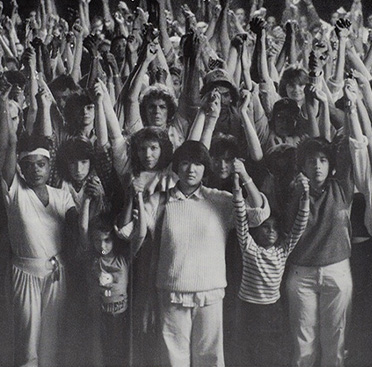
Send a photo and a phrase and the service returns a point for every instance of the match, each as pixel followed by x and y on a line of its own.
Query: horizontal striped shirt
pixel 263 268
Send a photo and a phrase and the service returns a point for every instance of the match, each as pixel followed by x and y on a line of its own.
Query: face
pixel 176 84
pixel 14 114
pixel 118 48
pixel 20 50
pixel 157 113
pixel 223 166
pixel 267 233
pixel 296 92
pixel 303 25
pixel 283 125
pixel 97 27
pixel 334 18
pixel 149 153
pixel 240 14
pixel 316 168
pixel 79 169
pixel 88 114
pixel 225 96
pixel 61 97
pixel 369 21
pixel 35 169
pixel 102 242
pixel 271 22
pixel 190 174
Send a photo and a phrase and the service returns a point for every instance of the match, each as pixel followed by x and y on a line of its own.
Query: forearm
pixel 263 70
pixel 253 143
pixel 78 53
pixel 210 124
pixel 324 121
pixel 4 132
pixel 100 124
pixel 254 197
pixel 340 64
pixel 197 126
pixel 109 21
pixel 46 128
pixel 357 63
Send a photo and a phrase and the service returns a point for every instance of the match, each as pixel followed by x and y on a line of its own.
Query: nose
pixel 191 167
pixel 148 152
pixel 79 167
pixel 223 163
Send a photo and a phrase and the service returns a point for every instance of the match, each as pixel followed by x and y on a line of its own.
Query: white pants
pixel 191 336
pixel 319 305
pixel 37 304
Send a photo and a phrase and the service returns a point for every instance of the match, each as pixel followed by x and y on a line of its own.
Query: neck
pixel 186 189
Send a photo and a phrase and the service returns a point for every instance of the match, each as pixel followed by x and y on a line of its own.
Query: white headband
pixel 38 151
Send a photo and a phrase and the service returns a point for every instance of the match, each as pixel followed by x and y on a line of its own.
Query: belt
pixel 39 267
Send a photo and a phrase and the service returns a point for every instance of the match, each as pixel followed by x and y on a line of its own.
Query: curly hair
pixel 292 75
pixel 158 91
pixel 151 133
pixel 75 148
pixel 27 143
pixel 73 108
pixel 314 145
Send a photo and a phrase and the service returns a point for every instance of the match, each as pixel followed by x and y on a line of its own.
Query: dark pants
pixel 114 339
pixel 259 335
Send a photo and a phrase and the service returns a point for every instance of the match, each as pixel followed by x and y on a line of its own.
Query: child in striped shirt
pixel 258 332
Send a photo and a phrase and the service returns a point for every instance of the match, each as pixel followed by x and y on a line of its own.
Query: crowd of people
pixel 187 188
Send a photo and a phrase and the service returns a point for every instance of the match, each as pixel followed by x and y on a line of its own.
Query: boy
pixel 264 258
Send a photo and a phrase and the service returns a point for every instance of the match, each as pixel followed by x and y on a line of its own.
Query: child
pixel 107 274
pixel 264 258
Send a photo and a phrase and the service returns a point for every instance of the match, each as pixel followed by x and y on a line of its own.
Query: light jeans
pixel 319 305
pixel 191 336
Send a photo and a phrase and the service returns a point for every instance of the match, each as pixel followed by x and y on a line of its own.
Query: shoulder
pixel 216 195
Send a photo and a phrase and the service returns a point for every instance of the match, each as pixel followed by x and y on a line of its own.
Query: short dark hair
pixel 103 222
pixel 314 145
pixel 75 148
pixel 28 143
pixel 292 75
pixel 151 133
pixel 192 151
pixel 158 91
pixel 16 77
pixel 63 82
pixel 74 105
pixel 223 144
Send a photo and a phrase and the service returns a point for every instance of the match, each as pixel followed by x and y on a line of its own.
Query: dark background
pixel 274 7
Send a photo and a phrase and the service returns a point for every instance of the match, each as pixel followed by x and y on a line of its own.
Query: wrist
pixel 246 181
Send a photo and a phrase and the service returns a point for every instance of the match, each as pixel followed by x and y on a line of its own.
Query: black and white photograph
pixel 186 183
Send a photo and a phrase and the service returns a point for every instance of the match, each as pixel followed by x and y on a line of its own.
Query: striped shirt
pixel 263 268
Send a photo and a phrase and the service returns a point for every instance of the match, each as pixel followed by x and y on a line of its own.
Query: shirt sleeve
pixel 296 232
pixel 240 216
pixel 120 154
pixel 257 216
pixel 363 176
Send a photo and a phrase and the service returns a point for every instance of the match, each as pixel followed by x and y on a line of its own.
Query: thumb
pixel 236 181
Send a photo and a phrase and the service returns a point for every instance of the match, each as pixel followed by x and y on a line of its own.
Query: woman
pixel 319 282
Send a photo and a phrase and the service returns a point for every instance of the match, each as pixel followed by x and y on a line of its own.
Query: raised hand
pixel 91 44
pixel 257 25
pixel 351 90
pixel 245 98
pixel 29 58
pixel 94 188
pixel 302 186
pixel 239 168
pixel 342 28
pixel 44 98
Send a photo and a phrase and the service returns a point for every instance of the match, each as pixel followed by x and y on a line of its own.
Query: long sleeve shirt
pixel 263 268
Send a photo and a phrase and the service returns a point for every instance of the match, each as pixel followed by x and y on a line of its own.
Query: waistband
pixel 341 265
pixel 38 267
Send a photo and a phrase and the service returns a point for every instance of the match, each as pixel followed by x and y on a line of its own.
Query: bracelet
pixel 247 182
pixel 117 76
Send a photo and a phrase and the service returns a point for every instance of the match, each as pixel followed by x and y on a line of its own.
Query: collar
pixel 177 194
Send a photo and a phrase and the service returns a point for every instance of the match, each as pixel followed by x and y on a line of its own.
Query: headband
pixel 39 151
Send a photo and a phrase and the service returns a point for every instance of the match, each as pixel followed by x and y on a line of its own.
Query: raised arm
pixel 77 29
pixel 254 197
pixel 253 143
pixel 8 136
pixel 6 169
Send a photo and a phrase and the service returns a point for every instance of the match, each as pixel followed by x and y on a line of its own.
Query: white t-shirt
pixel 35 231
